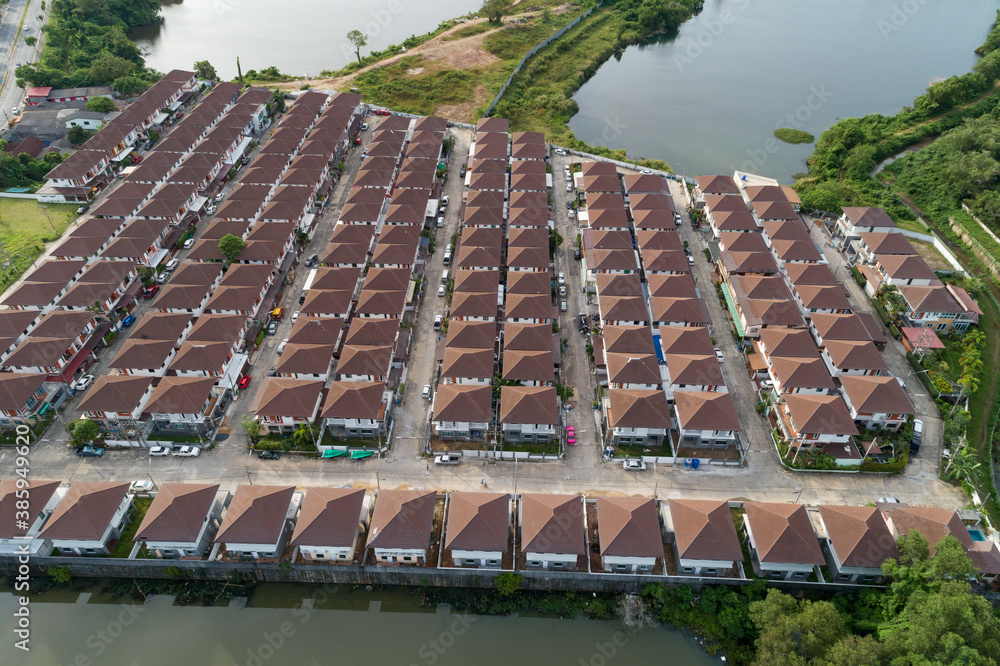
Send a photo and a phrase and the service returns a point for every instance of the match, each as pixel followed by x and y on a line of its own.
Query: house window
pixel 406 558
pixel 558 565
pixel 622 567
pixel 711 572
pixel 469 561
pixel 535 563
pixel 494 562
pixel 319 556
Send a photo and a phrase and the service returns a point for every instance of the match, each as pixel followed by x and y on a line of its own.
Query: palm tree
pixel 963 465
pixel 304 435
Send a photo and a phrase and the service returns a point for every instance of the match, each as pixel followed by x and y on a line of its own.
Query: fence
pixel 535 49
pixel 939 246
pixel 326 573
pixel 978 249
pixel 501 455
pixel 18 195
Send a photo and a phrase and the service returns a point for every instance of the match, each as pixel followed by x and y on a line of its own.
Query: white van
pixel 437 322
pixel 444 276
pixel 172 264
pixel 447 258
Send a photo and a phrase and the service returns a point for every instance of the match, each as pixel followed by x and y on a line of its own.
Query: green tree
pixel 795 632
pixel 278 102
pixel 100 104
pixel 555 240
pixel 251 427
pixel 31 40
pixel 129 86
pixel 494 10
pixel 359 40
pixel 854 650
pixel 107 67
pixel 231 247
pixel 85 431
pixel 78 136
pixel 60 575
pixel 304 436
pixel 508 583
pixel 203 70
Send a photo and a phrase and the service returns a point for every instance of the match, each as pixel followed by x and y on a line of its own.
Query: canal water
pixel 336 625
pixel 708 99
pixel 298 37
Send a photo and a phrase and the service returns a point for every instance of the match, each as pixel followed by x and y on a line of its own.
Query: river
pixel 298 37
pixel 708 99
pixel 382 628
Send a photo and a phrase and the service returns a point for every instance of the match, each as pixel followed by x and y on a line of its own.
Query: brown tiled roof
pixel 628 527
pixel 859 535
pixel 142 354
pixel 717 185
pixel 528 282
pixel 856 355
pixel 704 530
pixel 115 393
pixel 85 512
pixel 799 372
pixel 297 398
pixel 638 408
pixel 465 362
pixel 931 299
pixel 628 340
pixel 820 414
pixel 783 533
pixel 526 365
pixel 528 257
pixel 725 202
pixel 611 239
pixel 38 495
pixel 463 403
pixel 380 302
pixel 881 242
pixel 317 330
pixel 633 368
pixel 475 334
pixel 527 337
pixel 201 356
pixel 403 519
pixel 868 216
pixel 694 369
pixel 665 260
pixel 364 360
pixel 706 410
pixel 305 359
pixel 839 327
pixel 735 241
pixel 529 306
pixel 775 210
pixel 233 298
pixel 749 262
pixel 624 308
pixel 216 328
pixel 529 404
pixel 876 395
pixel 354 400
pixel 345 277
pixel 329 517
pixel 905 267
pixel 552 524
pixel 933 523
pixel 758 193
pixel 478 521
pixel 17 388
pixel 612 260
pixel 806 274
pixel 180 395
pixel 657 239
pixel 372 332
pixel 481 281
pixel 692 310
pixel 796 250
pixel 683 340
pixel 256 515
pixel 644 183
pixel 653 220
pixel 177 513
pixel 786 230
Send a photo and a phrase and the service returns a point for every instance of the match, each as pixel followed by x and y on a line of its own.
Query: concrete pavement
pixel 15 52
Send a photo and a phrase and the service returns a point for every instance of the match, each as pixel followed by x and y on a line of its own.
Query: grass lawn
pixel 24 231
pixel 913 225
pixel 124 545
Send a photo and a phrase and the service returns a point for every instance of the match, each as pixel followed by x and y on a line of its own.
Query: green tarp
pixel 361 454
pixel 334 453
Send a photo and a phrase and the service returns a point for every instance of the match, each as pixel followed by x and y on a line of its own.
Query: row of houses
pixel 487 530
pixel 361 292
pixel 500 272
pixel 654 351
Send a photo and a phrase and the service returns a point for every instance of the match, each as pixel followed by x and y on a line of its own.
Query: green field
pixel 24 231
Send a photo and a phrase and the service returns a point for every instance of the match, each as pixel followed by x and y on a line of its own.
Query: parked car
pixel 140 487
pixel 272 328
pixel 269 455
pixel 151 291
pixel 437 322
pixel 187 451
pixel 718 355
pixel 128 321
pixel 634 465
pixel 440 221
pixel 448 459
pixel 444 201
pixel 295 316
pixel 155 451
pixel 244 381
pixel 173 264
pixel 561 278
pixel 767 384
pixel 569 186
pixel 441 290
pixel 281 346
pixel 426 393
pixel 918 431
pixel 83 382
pixel 89 452
pixel 219 197
pixel 560 151
pixel 562 290
pixel 364 127
pixel 273 371
pixel 83 209
pixel 646 172
pixel 162 277
pixel 562 305
pixel 577 255
pixel 188 243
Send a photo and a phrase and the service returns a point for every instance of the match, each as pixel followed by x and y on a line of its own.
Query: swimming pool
pixel 977 535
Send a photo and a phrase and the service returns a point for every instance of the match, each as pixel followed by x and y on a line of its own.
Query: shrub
pixel 508 583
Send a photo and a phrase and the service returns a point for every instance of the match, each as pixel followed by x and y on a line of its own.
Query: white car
pixel 571 213
pixel 159 451
pixel 560 151
pixel 83 382
pixel 295 315
pixel 646 172
pixel 448 459
pixel 172 264
pixel 718 355
pixel 633 465
pixel 188 243
pixel 281 347
pixel 426 393
pixel 441 290
pixel 444 201
pixel 140 487
pixel 440 221
pixel 561 278
pixel 562 290
pixel 918 430
pixel 569 186
pixel 767 385
pixel 187 451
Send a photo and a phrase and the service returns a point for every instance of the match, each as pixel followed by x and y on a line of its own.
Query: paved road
pixel 13 50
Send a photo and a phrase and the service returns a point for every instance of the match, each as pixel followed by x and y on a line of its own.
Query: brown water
pixel 335 625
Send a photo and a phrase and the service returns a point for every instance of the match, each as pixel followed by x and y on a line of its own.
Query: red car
pixel 151 291
pixel 244 381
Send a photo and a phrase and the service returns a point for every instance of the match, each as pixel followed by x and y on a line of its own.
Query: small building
pixel 552 531
pixel 628 533
pixel 704 537
pixel 356 409
pixel 635 416
pixel 876 402
pixel 857 542
pixel 782 542
pixel 90 516
pixel 329 523
pixel 181 520
pixel 705 419
pixel 462 411
pixel 282 405
pixel 528 413
pixel 402 524
pixel 258 520
pixel 477 529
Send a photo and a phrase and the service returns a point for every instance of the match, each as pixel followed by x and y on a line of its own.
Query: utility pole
pixel 45 209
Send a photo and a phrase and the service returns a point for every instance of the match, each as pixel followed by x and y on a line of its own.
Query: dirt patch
pixel 415 71
pixel 930 254
pixel 467 112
